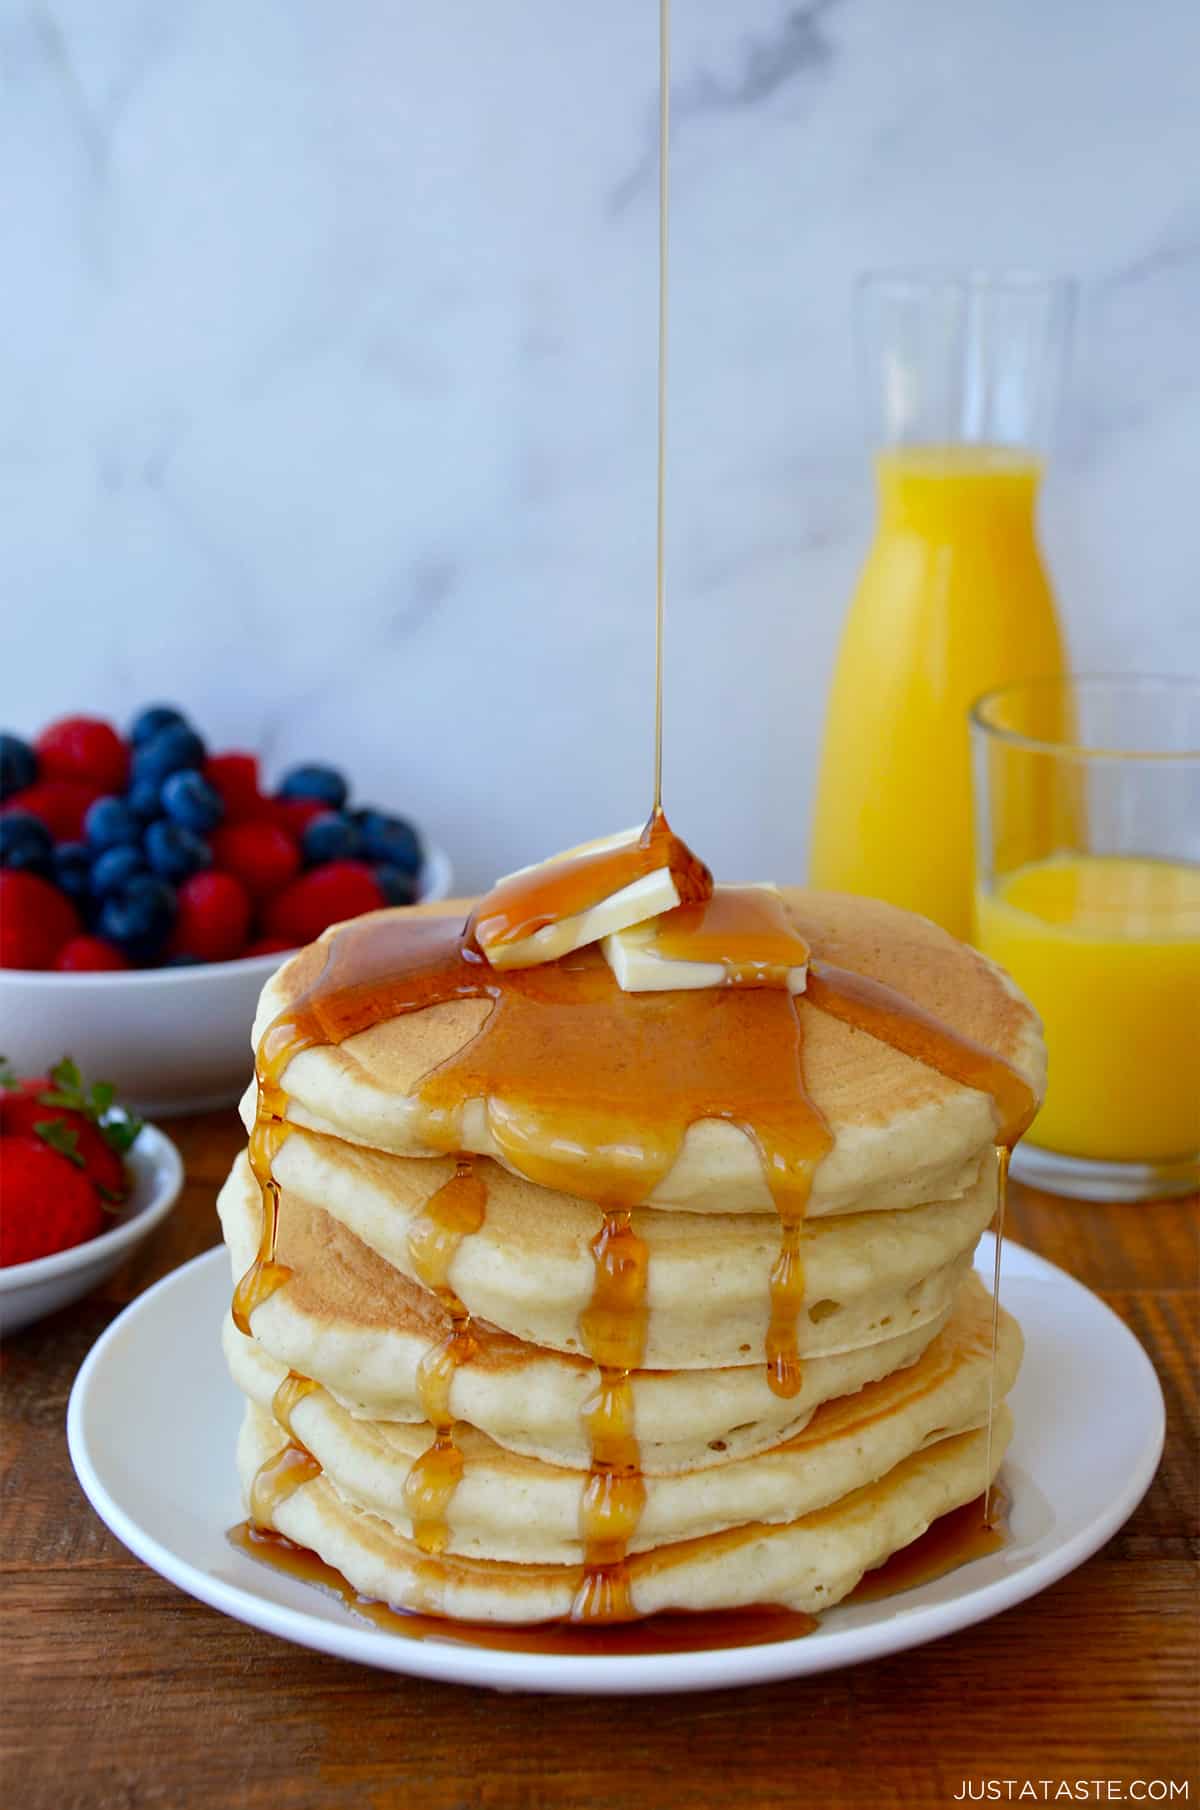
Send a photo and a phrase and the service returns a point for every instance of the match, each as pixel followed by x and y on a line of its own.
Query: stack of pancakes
pixel 412 1277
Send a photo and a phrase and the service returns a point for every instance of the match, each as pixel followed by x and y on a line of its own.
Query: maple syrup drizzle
pixel 871 1006
pixel 290 1393
pixel 664 241
pixel 453 1213
pixel 613 1328
pixel 290 1468
pixel 527 902
pixel 265 1275
pixel 1003 1154
pixel 742 929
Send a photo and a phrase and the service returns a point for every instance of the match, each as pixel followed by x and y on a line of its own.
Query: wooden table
pixel 119 1691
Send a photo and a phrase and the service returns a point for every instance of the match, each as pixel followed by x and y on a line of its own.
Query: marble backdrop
pixel 327 371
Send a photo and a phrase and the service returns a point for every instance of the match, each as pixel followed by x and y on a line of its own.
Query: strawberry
pixel 323 896
pixel 62 805
pixel 213 919
pixel 83 748
pixel 49 1202
pixel 261 856
pixel 82 1126
pixel 35 920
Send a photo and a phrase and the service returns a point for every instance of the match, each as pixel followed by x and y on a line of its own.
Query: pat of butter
pixel 741 937
pixel 644 897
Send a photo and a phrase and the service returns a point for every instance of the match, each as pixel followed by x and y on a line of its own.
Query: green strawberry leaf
pixel 61 1137
pixel 65 1075
pixel 120 1130
pixel 111 1201
pixel 8 1075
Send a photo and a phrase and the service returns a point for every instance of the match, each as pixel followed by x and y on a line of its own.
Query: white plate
pixel 30 1290
pixel 1089 1420
pixel 171 1040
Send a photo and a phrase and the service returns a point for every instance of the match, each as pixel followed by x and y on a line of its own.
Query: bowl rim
pixel 160 1165
pixel 436 876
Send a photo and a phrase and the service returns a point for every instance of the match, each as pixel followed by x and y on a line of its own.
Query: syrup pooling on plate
pixel 954 1539
pixel 451 1214
pixel 673 1633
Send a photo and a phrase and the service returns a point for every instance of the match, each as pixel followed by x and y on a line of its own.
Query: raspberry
pixel 235 778
pixel 83 748
pixel 262 857
pixel 35 920
pixel 23 1111
pixel 89 955
pixel 50 1204
pixel 214 918
pixel 295 814
pixel 62 805
pixel 319 898
pixel 266 945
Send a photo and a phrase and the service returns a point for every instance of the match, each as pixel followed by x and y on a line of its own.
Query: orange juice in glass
pixel 1091 901
pixel 954 598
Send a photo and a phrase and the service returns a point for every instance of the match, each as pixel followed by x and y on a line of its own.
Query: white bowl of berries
pixel 83 1183
pixel 149 888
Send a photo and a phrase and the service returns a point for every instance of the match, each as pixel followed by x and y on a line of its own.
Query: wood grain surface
pixel 121 1693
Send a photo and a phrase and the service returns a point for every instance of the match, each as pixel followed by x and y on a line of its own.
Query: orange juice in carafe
pixel 954 599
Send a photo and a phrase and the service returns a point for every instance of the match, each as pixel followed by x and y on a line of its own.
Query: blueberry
pixel 184 959
pixel 114 867
pixel 152 719
pixel 139 918
pixel 73 869
pixel 322 783
pixel 175 852
pixel 392 840
pixel 18 764
pixel 330 837
pixel 26 843
pixel 110 824
pixel 172 750
pixel 398 888
pixel 190 800
pixel 145 800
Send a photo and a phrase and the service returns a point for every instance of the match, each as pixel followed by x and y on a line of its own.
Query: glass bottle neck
pixel 957 485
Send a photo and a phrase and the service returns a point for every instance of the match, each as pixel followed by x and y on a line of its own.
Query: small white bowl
pixel 171 1040
pixel 30 1290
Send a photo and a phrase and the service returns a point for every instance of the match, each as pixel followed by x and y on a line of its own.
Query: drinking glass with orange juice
pixel 1088 893
pixel 964 373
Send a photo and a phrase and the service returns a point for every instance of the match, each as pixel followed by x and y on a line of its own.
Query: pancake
pixel 359 1327
pixel 806 1564
pixel 530 1267
pixel 902 1133
pixel 517 1509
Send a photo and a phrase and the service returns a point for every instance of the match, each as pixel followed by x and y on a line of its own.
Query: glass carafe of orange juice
pixel 963 374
